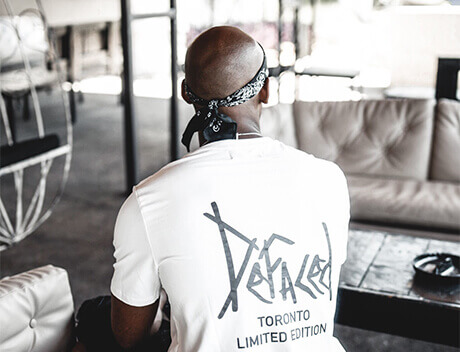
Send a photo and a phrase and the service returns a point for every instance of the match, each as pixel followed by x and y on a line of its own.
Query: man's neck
pixel 245 130
pixel 248 128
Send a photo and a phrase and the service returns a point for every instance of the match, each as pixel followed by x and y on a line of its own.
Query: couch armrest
pixel 36 311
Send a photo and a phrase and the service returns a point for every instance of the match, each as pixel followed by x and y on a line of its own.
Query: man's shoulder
pixel 165 174
pixel 172 174
pixel 326 176
pixel 315 164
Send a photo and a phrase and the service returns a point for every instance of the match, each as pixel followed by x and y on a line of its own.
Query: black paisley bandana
pixel 214 125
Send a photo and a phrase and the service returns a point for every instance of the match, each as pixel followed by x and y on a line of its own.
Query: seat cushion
pixel 445 164
pixel 36 311
pixel 10 154
pixel 409 202
pixel 369 137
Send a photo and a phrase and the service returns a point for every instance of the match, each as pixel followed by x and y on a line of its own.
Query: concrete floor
pixel 78 235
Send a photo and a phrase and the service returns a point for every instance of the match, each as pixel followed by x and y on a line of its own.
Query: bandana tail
pixel 197 123
pixel 219 127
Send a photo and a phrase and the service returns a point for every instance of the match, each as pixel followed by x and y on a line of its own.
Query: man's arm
pixel 135 286
pixel 132 325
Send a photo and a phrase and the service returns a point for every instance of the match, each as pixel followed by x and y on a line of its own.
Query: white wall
pixel 405 40
pixel 418 36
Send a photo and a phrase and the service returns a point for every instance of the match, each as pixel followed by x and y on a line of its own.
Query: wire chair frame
pixel 28 219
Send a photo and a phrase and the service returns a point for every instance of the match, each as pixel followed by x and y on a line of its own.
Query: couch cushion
pixel 445 164
pixel 408 202
pixel 36 311
pixel 277 122
pixel 370 137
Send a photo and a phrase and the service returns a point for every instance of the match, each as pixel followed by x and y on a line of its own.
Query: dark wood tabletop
pixel 379 289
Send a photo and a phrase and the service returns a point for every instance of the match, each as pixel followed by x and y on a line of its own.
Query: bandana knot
pixel 213 104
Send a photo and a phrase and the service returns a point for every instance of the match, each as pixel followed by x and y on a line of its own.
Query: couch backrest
pixel 369 137
pixel 445 160
pixel 36 311
pixel 277 122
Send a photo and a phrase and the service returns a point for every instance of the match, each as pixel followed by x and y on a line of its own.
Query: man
pixel 245 235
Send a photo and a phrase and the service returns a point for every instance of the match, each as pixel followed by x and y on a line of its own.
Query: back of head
pixel 226 81
pixel 220 61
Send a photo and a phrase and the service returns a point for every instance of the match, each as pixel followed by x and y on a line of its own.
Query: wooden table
pixel 378 290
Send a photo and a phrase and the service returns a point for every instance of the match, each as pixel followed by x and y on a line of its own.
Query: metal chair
pixel 17 158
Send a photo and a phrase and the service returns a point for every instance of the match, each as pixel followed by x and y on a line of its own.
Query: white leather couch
pixel 401 157
pixel 36 311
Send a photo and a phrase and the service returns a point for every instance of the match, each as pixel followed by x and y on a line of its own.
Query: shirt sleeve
pixel 339 211
pixel 135 278
pixel 343 214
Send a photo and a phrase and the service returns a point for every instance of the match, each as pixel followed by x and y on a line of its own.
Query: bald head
pixel 220 61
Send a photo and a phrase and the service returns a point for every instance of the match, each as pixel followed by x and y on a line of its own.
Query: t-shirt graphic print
pixel 313 278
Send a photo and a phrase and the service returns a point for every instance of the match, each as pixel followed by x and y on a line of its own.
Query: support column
pixel 130 130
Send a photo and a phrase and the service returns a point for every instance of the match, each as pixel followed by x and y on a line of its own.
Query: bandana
pixel 215 125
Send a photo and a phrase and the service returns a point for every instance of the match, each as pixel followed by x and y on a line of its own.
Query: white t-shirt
pixel 247 238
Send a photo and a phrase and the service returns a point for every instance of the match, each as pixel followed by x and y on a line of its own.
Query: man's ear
pixel 265 92
pixel 184 95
